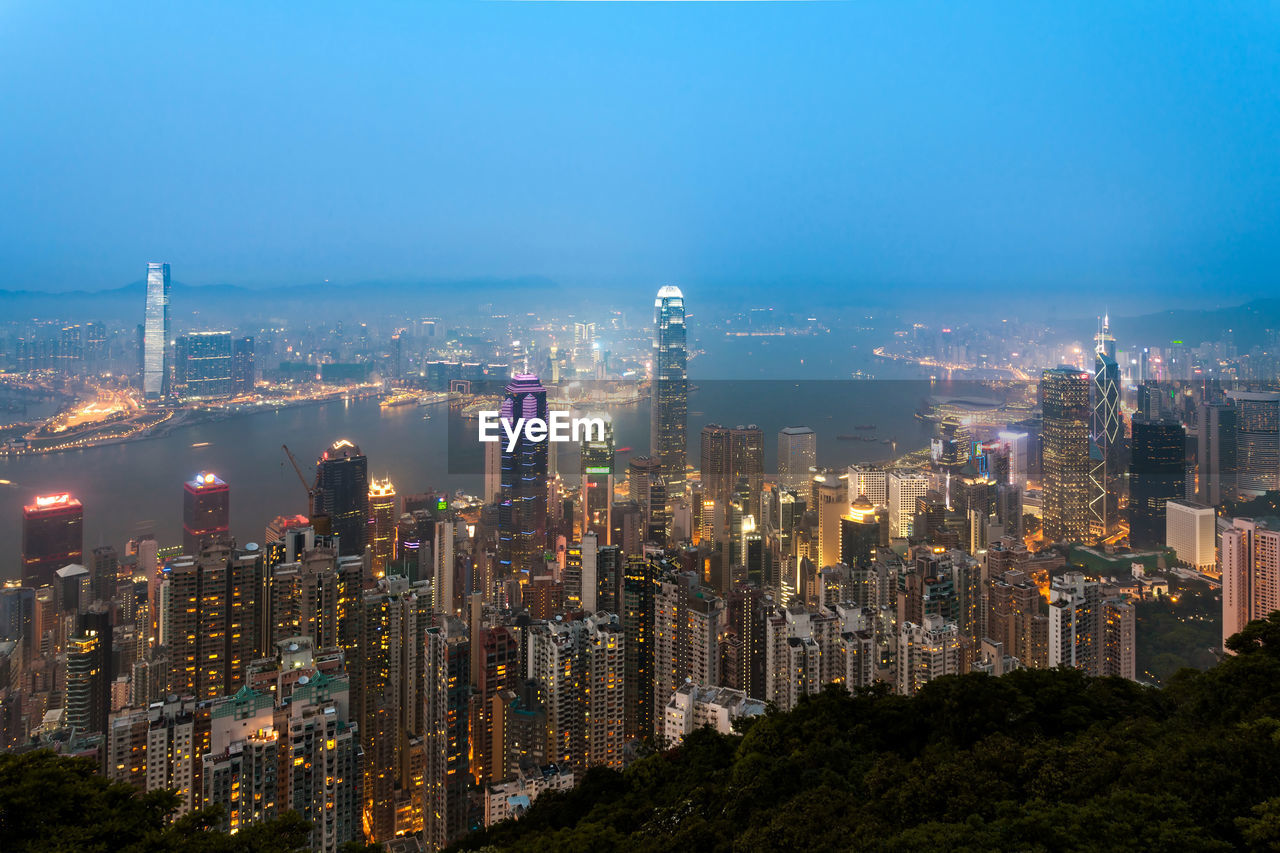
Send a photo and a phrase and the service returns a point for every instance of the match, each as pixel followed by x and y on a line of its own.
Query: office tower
pixel 1157 474
pixel 89 673
pixel 639 590
pixel 52 537
pixel 693 706
pixel 904 488
pixel 1250 558
pixel 1106 431
pixel 797 453
pixel 1018 448
pixel 1118 653
pixel 1216 452
pixel 492 471
pixel 382 525
pixel 868 482
pixel 731 456
pixel 387 701
pixel 597 483
pixel 211 603
pixel 1065 458
pixel 206 511
pixel 831 499
pixel 203 366
pixel 1189 531
pixel 859 534
pixel 342 495
pixel 522 511
pixel 243 369
pixel 926 652
pixel 644 482
pixel 1257 442
pixel 669 412
pixel 446 688
pixel 155 334
pixel 578 668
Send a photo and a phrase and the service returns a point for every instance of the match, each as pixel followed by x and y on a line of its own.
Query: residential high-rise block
pixel 579 670
pixel 210 610
pixel 446 691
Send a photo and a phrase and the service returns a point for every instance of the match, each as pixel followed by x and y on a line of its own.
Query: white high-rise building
pixel 904 488
pixel 155 334
pixel 693 706
pixel 871 483
pixel 797 453
pixel 1017 443
pixel 1189 531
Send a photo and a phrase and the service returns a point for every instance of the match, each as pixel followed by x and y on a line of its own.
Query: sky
pixel 835 151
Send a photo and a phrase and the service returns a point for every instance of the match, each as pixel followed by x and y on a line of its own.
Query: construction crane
pixel 310 489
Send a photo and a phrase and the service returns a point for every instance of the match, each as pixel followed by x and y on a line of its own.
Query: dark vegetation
pixel 1036 760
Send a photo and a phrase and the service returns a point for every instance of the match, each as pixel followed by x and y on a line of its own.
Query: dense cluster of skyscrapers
pixel 408 667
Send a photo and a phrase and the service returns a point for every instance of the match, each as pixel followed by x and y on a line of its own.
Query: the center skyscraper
pixel 670 409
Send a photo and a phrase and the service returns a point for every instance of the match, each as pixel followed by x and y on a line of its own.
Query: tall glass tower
pixel 1065 453
pixel 342 494
pixel 155 334
pixel 670 409
pixel 1106 431
pixel 522 508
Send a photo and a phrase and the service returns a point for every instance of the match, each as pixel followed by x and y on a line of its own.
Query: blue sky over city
pixel 1128 152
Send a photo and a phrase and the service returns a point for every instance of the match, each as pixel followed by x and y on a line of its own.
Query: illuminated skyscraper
pixel 446 688
pixel 342 494
pixel 1216 452
pixel 1257 442
pixel 522 511
pixel 206 511
pixel 382 525
pixel 1064 397
pixel 203 365
pixel 155 334
pixel 597 483
pixel 670 409
pixel 1157 474
pixel 729 457
pixel 52 537
pixel 1106 431
pixel 797 453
